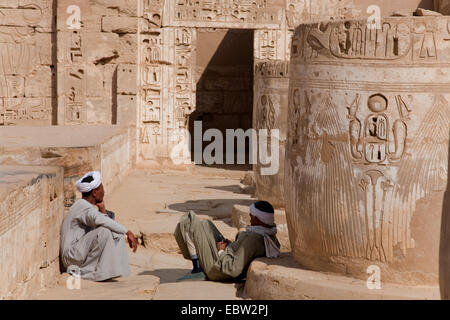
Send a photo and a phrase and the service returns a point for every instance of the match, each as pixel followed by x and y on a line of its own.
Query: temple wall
pixel 27 66
pixel 97 57
pixel 367 149
pixel 31 208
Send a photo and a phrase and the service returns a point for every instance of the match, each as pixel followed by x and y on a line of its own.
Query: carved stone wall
pixel 26 62
pixel 367 147
pixel 97 56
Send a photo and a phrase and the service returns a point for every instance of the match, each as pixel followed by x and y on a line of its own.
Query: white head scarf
pixel 265 217
pixel 89 186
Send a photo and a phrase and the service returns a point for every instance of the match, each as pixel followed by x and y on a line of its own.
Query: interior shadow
pixel 224 93
pixel 444 246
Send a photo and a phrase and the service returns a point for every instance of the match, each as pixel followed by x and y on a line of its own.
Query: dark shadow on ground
pixel 166 275
pixel 232 188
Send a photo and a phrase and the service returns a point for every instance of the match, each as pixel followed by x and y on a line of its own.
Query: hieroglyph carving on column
pixel 396 39
pixel 184 79
pixel 151 87
pixel 367 148
pixel 270 112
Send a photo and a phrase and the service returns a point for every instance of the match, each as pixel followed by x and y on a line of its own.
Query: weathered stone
pixel 284 279
pixel 11 4
pixel 39 83
pixel 31 206
pixel 127 49
pixel 425 13
pixel 270 113
pixel 126 110
pixel 119 24
pixel 77 149
pixel 357 132
pixel 99 111
pixel 101 48
pixel 126 79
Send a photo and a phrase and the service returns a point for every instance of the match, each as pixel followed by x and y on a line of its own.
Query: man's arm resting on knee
pixel 95 219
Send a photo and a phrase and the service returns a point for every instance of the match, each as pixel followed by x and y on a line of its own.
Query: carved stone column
pixel 367 148
pixel 271 85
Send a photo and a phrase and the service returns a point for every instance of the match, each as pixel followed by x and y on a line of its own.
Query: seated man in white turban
pixel 92 243
pixel 219 259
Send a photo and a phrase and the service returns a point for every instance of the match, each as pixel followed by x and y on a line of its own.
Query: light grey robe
pixel 94 242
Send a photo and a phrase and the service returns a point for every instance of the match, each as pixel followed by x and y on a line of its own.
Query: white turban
pixel 265 217
pixel 89 186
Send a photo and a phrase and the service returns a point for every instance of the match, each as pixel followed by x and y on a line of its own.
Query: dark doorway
pixel 225 86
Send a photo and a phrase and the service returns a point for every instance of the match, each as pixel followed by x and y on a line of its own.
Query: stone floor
pixel 150 202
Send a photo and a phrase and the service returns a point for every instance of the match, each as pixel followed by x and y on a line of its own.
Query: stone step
pixel 284 279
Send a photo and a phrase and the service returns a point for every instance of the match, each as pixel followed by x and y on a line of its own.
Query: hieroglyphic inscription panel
pixel 226 13
pixel 72 108
pixel 26 63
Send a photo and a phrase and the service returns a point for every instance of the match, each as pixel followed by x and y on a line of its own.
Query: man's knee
pixel 103 234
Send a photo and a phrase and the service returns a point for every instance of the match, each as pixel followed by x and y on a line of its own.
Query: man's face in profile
pixel 99 193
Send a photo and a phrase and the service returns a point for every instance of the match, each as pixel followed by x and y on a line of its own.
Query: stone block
pixel 77 149
pixel 119 24
pixel 127 49
pixel 32 210
pixel 94 82
pixel 99 111
pixel 39 83
pixel 284 279
pixel 101 48
pixel 240 218
pixel 126 79
pixel 126 110
pixel 10 4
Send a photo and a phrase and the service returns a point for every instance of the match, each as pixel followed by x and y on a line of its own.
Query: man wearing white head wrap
pixel 91 241
pixel 219 259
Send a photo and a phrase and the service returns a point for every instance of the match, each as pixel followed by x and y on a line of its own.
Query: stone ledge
pixel 77 149
pixel 283 279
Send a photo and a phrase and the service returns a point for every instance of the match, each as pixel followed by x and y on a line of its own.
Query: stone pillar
pixel 271 84
pixel 166 93
pixel 367 149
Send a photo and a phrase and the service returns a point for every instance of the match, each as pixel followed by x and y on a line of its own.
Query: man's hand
pixel 132 242
pixel 222 244
pixel 101 207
